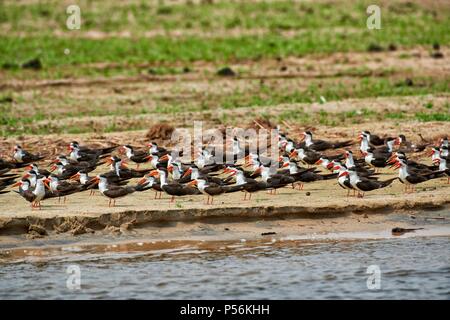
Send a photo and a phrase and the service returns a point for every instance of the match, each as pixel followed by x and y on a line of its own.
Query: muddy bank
pixel 37 224
pixel 218 234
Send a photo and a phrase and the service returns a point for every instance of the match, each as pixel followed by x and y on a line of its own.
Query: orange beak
pixel 46 181
pixel 187 172
pixel 142 181
pixel 293 154
pixel 192 183
pixel 286 164
pixel 330 166
pixel 18 183
pixel 258 170
pixel 53 168
pixel 392 159
pixel 345 173
pixel 397 165
pixel 164 158
pixel 319 161
pixel 154 173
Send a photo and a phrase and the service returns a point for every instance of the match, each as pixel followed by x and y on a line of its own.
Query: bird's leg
pixel 109 203
pixel 245 195
pixel 137 167
pixel 160 194
pixel 39 205
pixel 65 199
pixel 59 199
pixel 156 193
pixel 293 186
pixel 172 199
pixel 212 200
pixel 250 196
pixel 348 193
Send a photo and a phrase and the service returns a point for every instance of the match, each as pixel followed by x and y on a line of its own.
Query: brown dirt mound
pixel 161 131
pixel 261 123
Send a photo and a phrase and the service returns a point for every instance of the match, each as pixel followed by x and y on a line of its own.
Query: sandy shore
pixel 320 201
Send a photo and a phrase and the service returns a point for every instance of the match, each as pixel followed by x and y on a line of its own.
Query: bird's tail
pixel 343 144
pixel 329 176
pixel 434 174
pixel 235 188
pixel 388 182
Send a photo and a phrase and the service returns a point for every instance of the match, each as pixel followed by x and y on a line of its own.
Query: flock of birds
pixel 247 172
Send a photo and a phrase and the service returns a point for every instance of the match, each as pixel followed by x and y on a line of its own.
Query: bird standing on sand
pixel 36 195
pixel 365 184
pixel 411 178
pixel 321 145
pixel 112 192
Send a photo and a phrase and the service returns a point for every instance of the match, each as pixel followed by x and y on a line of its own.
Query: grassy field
pixel 133 59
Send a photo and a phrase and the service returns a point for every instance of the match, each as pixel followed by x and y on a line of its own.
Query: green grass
pixel 281 15
pixel 434 116
pixel 323 28
pixel 12 123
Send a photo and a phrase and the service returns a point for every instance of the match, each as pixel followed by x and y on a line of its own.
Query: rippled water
pixel 416 267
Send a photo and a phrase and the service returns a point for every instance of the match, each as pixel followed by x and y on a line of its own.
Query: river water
pixel 410 268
